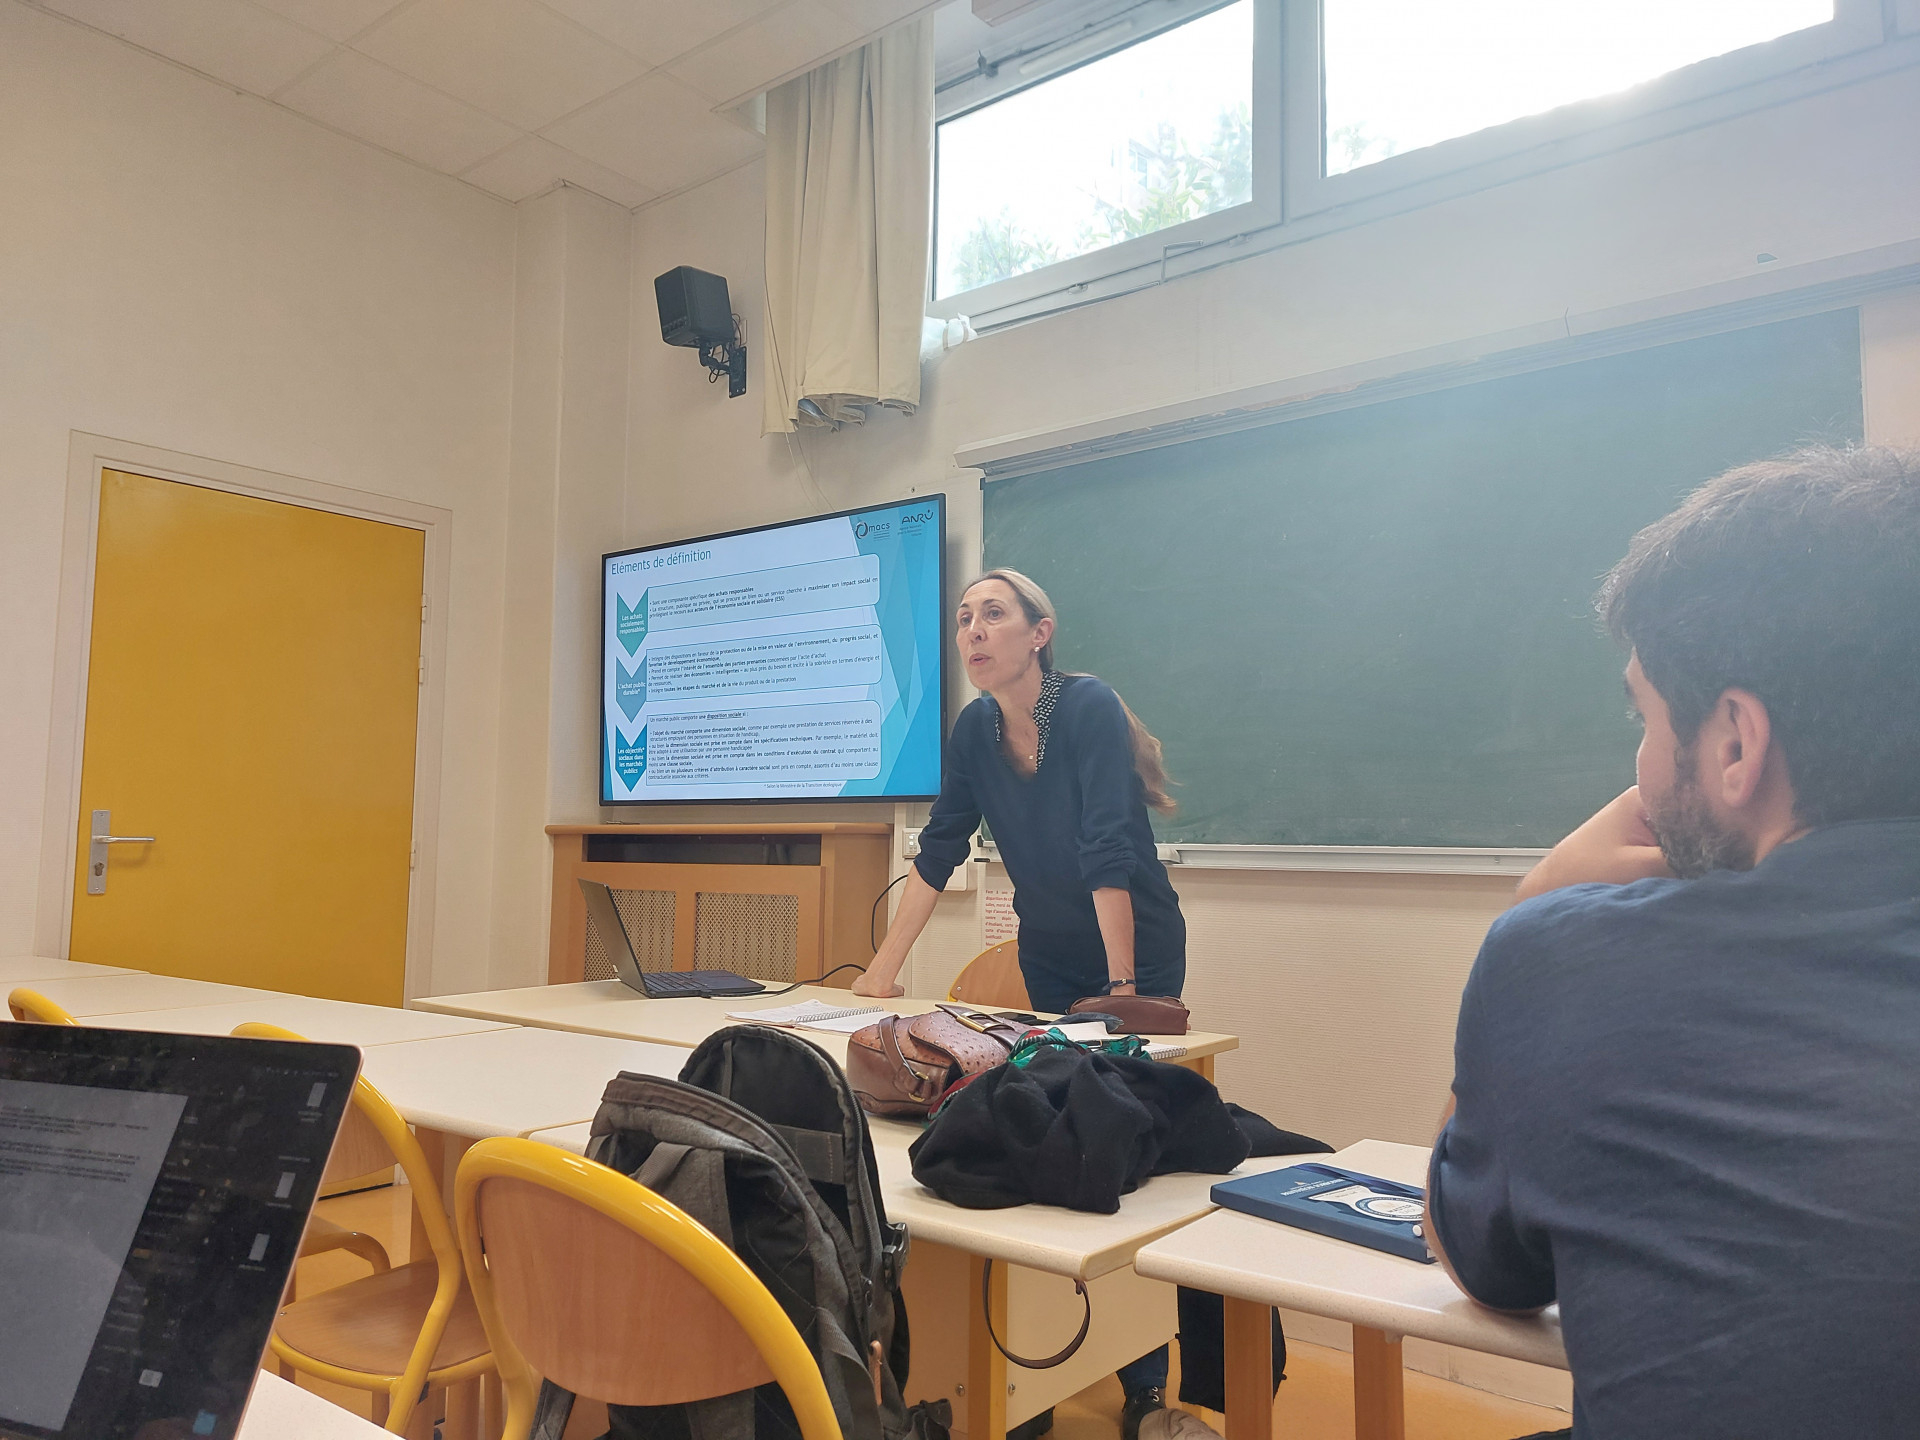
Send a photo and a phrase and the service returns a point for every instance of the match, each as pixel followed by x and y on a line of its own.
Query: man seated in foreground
pixel 1686 1101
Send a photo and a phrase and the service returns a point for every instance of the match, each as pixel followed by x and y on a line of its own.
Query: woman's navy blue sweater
pixel 1077 825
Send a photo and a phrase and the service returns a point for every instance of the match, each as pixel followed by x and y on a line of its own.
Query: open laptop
pixel 153 1193
pixel 655 984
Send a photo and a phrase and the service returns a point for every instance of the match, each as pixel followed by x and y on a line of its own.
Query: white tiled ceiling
pixel 632 99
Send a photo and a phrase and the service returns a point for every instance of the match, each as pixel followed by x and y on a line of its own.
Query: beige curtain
pixel 849 215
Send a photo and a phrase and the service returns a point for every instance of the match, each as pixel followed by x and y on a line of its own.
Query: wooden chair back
pixel 587 1278
pixel 992 978
pixel 359 1155
pixel 36 1009
pixel 584 1297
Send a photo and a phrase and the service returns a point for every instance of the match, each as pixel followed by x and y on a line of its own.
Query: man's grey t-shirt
pixel 1690 1112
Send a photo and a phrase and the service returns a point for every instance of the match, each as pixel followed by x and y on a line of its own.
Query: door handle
pixel 97 843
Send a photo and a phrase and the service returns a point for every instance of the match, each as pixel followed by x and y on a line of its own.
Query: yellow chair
pixel 591 1280
pixel 992 979
pixel 358 1154
pixel 37 1009
pixel 401 1332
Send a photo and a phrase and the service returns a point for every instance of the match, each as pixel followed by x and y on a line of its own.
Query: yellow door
pixel 251 699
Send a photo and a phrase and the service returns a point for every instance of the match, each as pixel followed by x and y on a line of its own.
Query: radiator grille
pixel 648 916
pixel 754 935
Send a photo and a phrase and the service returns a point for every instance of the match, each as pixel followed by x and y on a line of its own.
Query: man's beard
pixel 1691 839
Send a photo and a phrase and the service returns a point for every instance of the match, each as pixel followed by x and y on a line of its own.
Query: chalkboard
pixel 1374 626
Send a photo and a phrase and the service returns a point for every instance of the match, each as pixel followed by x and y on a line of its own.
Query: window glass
pixel 1152 136
pixel 1403 74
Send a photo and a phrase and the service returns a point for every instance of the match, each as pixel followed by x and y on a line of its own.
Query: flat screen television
pixel 800 661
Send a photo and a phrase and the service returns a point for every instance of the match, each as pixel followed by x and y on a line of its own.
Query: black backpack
pixel 762 1141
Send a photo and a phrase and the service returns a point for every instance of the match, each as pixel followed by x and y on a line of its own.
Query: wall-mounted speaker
pixel 694 308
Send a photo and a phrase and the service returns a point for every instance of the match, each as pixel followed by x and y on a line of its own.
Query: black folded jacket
pixel 1074 1129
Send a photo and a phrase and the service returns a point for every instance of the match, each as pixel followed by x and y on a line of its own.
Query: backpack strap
pixel 822 1153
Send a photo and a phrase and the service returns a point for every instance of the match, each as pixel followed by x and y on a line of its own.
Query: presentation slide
pixel 794 661
pixel 77 1165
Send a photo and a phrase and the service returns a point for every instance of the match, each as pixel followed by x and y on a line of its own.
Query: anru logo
pixel 917 519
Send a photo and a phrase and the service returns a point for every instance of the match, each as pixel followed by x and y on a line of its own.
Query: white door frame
pixel 89 455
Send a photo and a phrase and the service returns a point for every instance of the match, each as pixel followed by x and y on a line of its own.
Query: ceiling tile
pixel 366 99
pixel 531 165
pixel 796 37
pixel 660 30
pixel 510 58
pixel 872 16
pixel 227 39
pixel 659 132
pixel 336 19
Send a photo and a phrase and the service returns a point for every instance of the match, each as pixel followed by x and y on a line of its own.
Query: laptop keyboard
pixel 662 983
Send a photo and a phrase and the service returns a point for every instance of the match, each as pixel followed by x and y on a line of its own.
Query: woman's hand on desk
pixel 1615 847
pixel 875 988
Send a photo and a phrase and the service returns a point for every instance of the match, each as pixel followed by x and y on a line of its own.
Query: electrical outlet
pixel 962 876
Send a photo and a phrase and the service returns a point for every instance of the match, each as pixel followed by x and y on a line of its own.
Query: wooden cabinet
pixel 776 902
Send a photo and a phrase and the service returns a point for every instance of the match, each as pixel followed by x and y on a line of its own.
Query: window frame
pixel 1066 279
pixel 1856 25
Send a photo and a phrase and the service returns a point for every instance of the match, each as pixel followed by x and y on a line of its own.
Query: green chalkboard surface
pixel 1374 626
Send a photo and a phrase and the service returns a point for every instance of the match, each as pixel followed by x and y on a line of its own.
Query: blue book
pixel 1343 1204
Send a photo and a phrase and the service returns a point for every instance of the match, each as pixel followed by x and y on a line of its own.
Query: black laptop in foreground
pixel 153 1193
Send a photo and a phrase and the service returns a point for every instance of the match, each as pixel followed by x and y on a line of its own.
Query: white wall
pixel 196 270
pixel 1345 987
pixel 568 459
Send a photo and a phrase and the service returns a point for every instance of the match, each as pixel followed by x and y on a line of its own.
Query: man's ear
pixel 1737 744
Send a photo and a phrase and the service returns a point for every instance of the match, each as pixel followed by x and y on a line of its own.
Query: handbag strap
pixel 1072 1346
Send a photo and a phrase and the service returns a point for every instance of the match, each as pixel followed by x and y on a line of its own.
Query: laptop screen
pixel 153 1192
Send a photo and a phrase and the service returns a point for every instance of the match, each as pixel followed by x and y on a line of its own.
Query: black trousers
pixel 1203 1350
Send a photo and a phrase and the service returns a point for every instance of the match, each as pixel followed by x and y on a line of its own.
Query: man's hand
pixel 868 984
pixel 1615 847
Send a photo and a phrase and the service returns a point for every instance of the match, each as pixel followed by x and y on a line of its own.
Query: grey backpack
pixel 762 1141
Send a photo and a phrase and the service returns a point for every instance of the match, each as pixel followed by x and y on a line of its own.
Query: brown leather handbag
pixel 1138 1014
pixel 903 1064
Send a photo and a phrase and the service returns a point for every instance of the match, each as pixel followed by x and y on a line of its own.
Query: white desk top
pixel 1249 1258
pixel 606 1007
pixel 282 1411
pixel 26 969
pixel 91 995
pixel 510 1081
pixel 333 1022
pixel 1042 1237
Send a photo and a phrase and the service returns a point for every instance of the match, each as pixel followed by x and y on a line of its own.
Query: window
pixel 1405 74
pixel 1147 139
pixel 1405 92
pixel 1136 143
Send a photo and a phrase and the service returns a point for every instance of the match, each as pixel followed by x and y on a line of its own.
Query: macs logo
pixel 878 529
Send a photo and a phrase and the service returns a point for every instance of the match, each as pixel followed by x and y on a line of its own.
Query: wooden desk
pixel 280 1410
pixel 332 1022
pixel 508 1081
pixel 1257 1263
pixel 607 1007
pixel 30 969
pixel 90 995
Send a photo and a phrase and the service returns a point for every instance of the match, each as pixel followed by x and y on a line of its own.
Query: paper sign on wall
pixel 997 920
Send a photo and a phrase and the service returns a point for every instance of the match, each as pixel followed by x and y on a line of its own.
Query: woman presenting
pixel 1064 775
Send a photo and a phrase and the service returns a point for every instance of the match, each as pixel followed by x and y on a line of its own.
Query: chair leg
pixel 463 1411
pixel 425 1416
pixel 493 1404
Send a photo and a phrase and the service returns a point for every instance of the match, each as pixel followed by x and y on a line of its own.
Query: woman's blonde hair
pixel 1148 761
